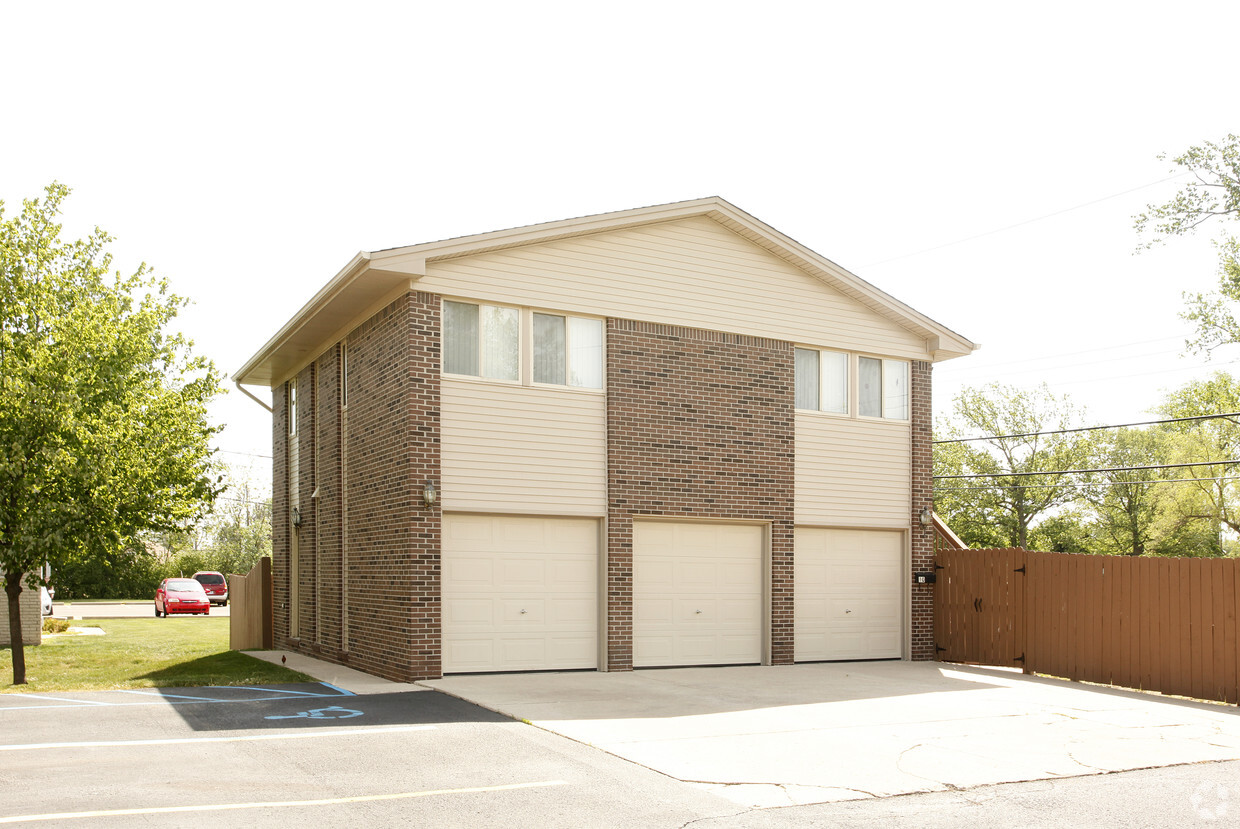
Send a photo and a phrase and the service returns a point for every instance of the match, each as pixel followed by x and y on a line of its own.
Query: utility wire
pixel 1087 485
pixel 1084 471
pixel 1089 429
pixel 1021 224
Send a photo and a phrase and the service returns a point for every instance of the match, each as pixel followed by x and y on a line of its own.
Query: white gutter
pixel 250 395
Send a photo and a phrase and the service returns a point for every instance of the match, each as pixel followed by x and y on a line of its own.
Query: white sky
pixel 248 150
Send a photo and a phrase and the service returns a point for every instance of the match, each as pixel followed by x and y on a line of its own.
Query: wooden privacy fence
pixel 1158 624
pixel 250 618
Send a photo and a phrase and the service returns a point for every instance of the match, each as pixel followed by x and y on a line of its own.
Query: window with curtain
pixel 882 388
pixel 485 341
pixel 821 380
pixel 481 340
pixel 568 351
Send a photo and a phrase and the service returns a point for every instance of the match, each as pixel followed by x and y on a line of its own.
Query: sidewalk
pixel 338 676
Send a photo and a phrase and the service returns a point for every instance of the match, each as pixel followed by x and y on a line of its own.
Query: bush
pixel 55 625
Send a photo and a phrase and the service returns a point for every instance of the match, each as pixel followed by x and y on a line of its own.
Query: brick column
pixel 921 620
pixel 700 426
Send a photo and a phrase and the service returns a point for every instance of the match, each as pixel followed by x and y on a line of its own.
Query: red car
pixel 215 584
pixel 181 596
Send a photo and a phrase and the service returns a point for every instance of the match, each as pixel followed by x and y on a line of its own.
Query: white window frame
pixel 525 346
pixel 481 344
pixel 568 351
pixel 884 364
pixel 849 381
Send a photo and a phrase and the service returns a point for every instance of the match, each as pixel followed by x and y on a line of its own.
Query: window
pixel 568 351
pixel 481 340
pixel 882 388
pixel 344 375
pixel 292 407
pixel 485 341
pixel 821 380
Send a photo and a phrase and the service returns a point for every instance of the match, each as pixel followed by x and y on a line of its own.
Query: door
pixel 520 593
pixel 697 593
pixel 849 594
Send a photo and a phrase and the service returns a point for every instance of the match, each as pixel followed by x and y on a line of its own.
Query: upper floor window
pixel 481 340
pixel 823 384
pixel 822 380
pixel 486 341
pixel 882 388
pixel 568 351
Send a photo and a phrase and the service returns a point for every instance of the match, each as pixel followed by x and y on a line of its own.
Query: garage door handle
pixel 523 611
pixel 697 611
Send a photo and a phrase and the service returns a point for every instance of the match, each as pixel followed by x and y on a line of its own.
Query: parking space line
pixel 282 691
pixel 274 804
pixel 244 738
pixel 61 699
pixel 168 699
pixel 162 695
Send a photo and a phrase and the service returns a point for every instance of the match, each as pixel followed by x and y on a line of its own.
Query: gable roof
pixel 372 278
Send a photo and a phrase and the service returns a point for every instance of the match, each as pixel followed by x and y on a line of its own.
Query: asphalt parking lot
pixel 271 755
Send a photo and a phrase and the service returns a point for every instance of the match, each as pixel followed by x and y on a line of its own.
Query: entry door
pixel 520 593
pixel 848 594
pixel 697 593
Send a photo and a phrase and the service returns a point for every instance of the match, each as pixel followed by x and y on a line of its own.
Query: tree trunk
pixel 13 588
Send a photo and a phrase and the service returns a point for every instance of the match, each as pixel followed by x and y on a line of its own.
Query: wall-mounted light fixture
pixel 926 517
pixel 296 517
pixel 429 494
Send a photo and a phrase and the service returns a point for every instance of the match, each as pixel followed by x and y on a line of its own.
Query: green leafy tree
pixel 1001 508
pixel 1211 503
pixel 103 423
pixel 1127 503
pixel 1212 192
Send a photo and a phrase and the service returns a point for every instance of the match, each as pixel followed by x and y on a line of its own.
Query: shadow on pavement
pixel 314 705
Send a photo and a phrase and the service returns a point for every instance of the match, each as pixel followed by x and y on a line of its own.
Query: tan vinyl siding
pixel 520 449
pixel 692 272
pixel 852 473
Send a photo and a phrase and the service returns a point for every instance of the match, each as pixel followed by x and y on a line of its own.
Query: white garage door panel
pixel 849 601
pixel 519 593
pixel 697 593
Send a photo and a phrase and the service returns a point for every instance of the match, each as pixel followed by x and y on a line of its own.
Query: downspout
pixel 250 395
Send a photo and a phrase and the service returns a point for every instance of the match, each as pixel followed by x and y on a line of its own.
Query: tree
pixel 103 424
pixel 1213 500
pixel 1001 508
pixel 1126 504
pixel 1213 192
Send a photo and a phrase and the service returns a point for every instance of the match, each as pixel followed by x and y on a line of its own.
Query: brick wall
pixel 368 465
pixel 392 449
pixel 30 607
pixel 328 515
pixel 280 527
pixel 699 425
pixel 307 539
pixel 921 621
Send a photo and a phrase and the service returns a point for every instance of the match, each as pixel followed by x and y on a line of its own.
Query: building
pixel 662 436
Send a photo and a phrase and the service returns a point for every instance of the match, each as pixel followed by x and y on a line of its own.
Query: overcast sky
pixel 979 161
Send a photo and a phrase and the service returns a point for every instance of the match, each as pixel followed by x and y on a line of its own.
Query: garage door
pixel 848 594
pixel 697 593
pixel 519 593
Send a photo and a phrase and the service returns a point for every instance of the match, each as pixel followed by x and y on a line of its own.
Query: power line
pixel 1021 224
pixel 1084 485
pixel 1084 471
pixel 1088 429
pixel 953 369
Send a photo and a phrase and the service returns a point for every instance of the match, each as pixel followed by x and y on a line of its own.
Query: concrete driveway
pixel 777 736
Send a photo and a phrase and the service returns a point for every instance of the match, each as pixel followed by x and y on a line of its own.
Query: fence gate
pixel 979 613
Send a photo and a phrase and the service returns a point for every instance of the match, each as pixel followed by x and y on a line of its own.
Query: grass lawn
pixel 141 653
